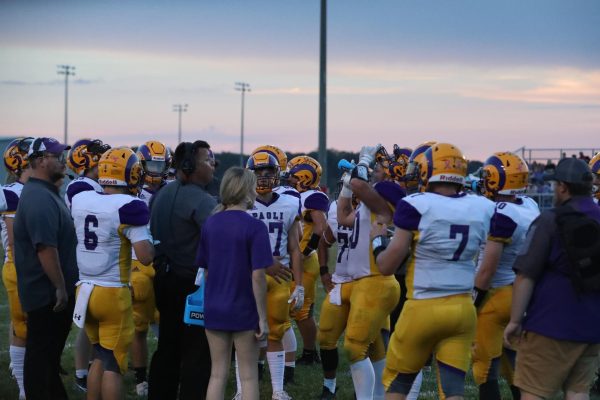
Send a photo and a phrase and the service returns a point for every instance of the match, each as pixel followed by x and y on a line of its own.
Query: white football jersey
pixel 79 185
pixel 278 215
pixel 448 233
pixel 342 235
pixel 106 226
pixel 11 194
pixel 509 225
pixel 360 253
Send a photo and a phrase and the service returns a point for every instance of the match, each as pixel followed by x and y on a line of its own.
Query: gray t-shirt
pixel 42 218
pixel 177 215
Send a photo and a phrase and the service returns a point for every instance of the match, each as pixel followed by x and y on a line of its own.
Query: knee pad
pixel 305 312
pixel 402 383
pixel 289 341
pixel 451 380
pixel 483 373
pixel 107 357
pixel 329 359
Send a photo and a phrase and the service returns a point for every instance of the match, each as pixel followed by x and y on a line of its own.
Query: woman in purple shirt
pixel 235 250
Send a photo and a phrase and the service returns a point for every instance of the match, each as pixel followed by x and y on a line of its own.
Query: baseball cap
pixel 570 170
pixel 45 144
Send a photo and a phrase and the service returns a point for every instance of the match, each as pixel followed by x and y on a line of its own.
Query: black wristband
pixel 478 296
pixel 323 270
pixel 379 244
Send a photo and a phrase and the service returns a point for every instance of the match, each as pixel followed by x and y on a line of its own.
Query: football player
pixel 289 337
pixel 107 227
pixel 16 163
pixel 304 175
pixel 442 229
pixel 505 179
pixel 595 167
pixel 280 213
pixel 374 296
pixel 155 159
pixel 83 159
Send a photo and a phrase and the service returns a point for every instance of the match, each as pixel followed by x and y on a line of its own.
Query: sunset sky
pixel 484 75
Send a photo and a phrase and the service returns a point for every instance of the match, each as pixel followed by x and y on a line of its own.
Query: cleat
pixel 326 394
pixel 281 396
pixel 81 384
pixel 141 389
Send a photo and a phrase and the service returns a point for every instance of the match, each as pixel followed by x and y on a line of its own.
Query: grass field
pixel 307 386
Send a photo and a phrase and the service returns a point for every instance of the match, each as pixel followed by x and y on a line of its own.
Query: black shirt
pixel 42 218
pixel 177 215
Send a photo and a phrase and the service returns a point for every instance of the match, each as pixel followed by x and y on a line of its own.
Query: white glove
pixel 297 297
pixel 346 189
pixel 367 154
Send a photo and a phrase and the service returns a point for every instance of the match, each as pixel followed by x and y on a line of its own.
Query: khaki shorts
pixel 545 366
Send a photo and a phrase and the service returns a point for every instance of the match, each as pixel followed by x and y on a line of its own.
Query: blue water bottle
pixel 194 303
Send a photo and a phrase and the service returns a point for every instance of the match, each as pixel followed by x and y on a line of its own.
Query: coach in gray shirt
pixel 46 265
pixel 181 362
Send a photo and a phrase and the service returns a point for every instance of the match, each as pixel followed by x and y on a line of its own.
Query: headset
pixel 188 164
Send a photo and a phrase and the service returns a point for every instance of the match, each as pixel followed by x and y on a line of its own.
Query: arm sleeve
pixel 137 233
pixel 317 201
pixel 502 228
pixel 533 256
pixel 406 216
pixel 134 213
pixel 42 222
pixel 260 246
pixel 391 192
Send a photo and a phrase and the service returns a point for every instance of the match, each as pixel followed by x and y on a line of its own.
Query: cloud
pixel 563 87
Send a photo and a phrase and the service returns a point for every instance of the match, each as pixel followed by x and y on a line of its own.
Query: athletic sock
pixel 329 384
pixel 415 389
pixel 379 389
pixel 17 358
pixel 363 377
pixel 140 375
pixel 276 361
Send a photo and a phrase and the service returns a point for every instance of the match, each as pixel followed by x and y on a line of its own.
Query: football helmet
pixel 442 162
pixel 306 172
pixel 120 166
pixel 412 173
pixel 595 167
pixel 264 160
pixel 155 158
pixel 399 165
pixel 85 154
pixel 504 173
pixel 276 152
pixel 15 154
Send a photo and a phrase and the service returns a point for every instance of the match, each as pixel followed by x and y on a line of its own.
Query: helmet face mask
pixel 155 159
pixel 266 169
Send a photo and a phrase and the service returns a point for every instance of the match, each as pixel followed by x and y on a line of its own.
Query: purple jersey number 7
pixel 463 230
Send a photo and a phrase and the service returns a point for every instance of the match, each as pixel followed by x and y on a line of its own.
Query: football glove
pixel 297 297
pixel 367 154
pixel 346 189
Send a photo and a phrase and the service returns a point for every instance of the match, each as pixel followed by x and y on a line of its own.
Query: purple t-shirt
pixel 232 245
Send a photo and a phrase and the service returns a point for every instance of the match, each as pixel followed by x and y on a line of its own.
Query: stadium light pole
pixel 242 87
pixel 323 93
pixel 66 70
pixel 179 108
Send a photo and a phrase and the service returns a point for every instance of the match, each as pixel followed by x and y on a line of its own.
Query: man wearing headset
pixel 181 363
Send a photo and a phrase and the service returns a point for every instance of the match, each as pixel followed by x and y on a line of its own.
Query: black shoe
pixel 309 357
pixel 288 375
pixel 81 384
pixel 326 394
